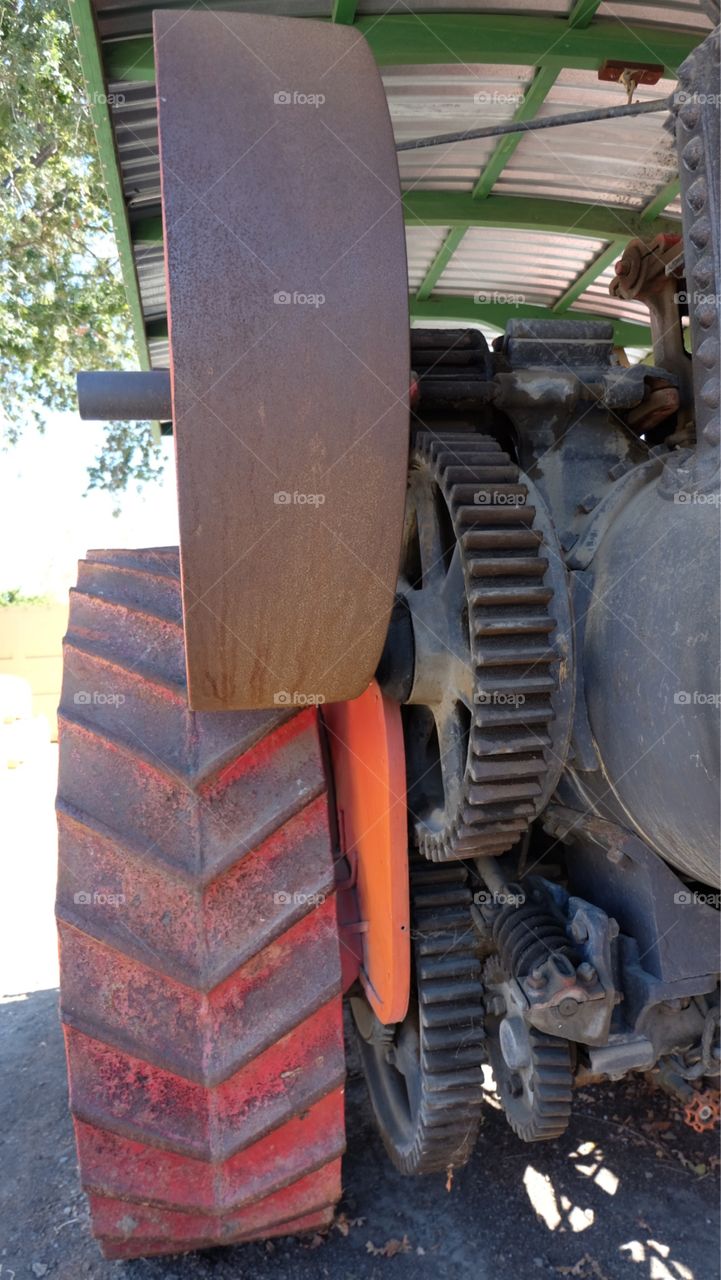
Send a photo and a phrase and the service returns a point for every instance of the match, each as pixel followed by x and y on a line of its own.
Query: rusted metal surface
pixel 289 352
pixel 641 273
pixel 196 881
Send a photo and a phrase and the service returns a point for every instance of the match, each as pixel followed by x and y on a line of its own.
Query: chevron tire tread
pixel 200 965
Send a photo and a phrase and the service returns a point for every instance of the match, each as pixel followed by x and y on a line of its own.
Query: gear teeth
pixel 509 629
pixel 450 1003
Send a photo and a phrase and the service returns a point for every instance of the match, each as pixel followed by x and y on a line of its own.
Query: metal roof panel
pixel 445 99
pixel 498 265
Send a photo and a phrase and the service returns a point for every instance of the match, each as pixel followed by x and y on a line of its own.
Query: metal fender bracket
pixel 289 337
pixel 365 738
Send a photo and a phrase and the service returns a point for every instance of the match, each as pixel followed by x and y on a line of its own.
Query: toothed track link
pixel 200 972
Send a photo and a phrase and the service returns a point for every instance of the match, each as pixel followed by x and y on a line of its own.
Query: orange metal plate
pixel 366 741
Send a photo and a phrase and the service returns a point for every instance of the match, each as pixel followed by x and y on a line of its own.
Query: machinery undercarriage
pixel 473 785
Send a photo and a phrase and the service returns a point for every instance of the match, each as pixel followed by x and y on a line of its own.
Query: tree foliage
pixel 62 303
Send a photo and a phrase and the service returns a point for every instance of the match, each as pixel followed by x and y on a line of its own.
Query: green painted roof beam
pixel 583 12
pixel 408 39
pixel 440 262
pixel 464 310
pixel 660 201
pixel 89 53
pixel 344 11
pixel 458 210
pixel 535 94
pixel 591 273
pixel 569 217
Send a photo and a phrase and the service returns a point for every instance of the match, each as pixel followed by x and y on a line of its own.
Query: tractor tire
pixel 200 963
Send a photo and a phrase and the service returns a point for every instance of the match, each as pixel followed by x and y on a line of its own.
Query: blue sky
pixel 46 522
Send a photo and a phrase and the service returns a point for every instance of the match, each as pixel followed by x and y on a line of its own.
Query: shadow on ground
pixel 629 1192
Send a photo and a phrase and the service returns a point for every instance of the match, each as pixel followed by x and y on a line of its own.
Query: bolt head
pixel 586 972
pixel 568 1007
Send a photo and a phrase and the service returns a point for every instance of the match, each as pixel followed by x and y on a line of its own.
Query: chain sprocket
pixel 424 1075
pixel 477 729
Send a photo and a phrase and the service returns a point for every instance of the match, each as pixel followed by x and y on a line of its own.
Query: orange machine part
pixel 366 742
pixel 703 1111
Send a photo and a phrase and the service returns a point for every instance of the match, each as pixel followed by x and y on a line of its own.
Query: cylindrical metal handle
pixel 127 395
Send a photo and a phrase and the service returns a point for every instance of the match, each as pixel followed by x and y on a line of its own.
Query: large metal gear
pixel 532 1070
pixel 424 1074
pixel 474 580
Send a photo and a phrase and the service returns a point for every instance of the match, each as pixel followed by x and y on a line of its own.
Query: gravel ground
pixel 628 1192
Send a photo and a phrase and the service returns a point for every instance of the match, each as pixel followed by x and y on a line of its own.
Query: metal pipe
pixel 126 396
pixel 550 122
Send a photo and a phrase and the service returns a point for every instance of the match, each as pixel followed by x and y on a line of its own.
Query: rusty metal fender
pixel 289 334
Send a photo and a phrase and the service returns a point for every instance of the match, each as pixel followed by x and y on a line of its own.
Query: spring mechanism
pixel 527 935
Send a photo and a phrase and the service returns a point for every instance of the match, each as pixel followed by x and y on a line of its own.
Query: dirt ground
pixel 628 1192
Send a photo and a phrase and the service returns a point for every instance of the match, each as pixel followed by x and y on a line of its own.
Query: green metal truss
pixel 410 39
pixel 580 41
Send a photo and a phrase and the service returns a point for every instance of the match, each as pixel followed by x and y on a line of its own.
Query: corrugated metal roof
pixel 621 162
pixel 497 265
pixel 135 17
pixel 529 7
pixel 422 245
pixel 135 120
pixel 675 14
pixel 150 263
pixel 448 99
pixel 624 164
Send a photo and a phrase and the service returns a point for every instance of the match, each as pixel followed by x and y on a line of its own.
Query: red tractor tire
pixel 200 968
